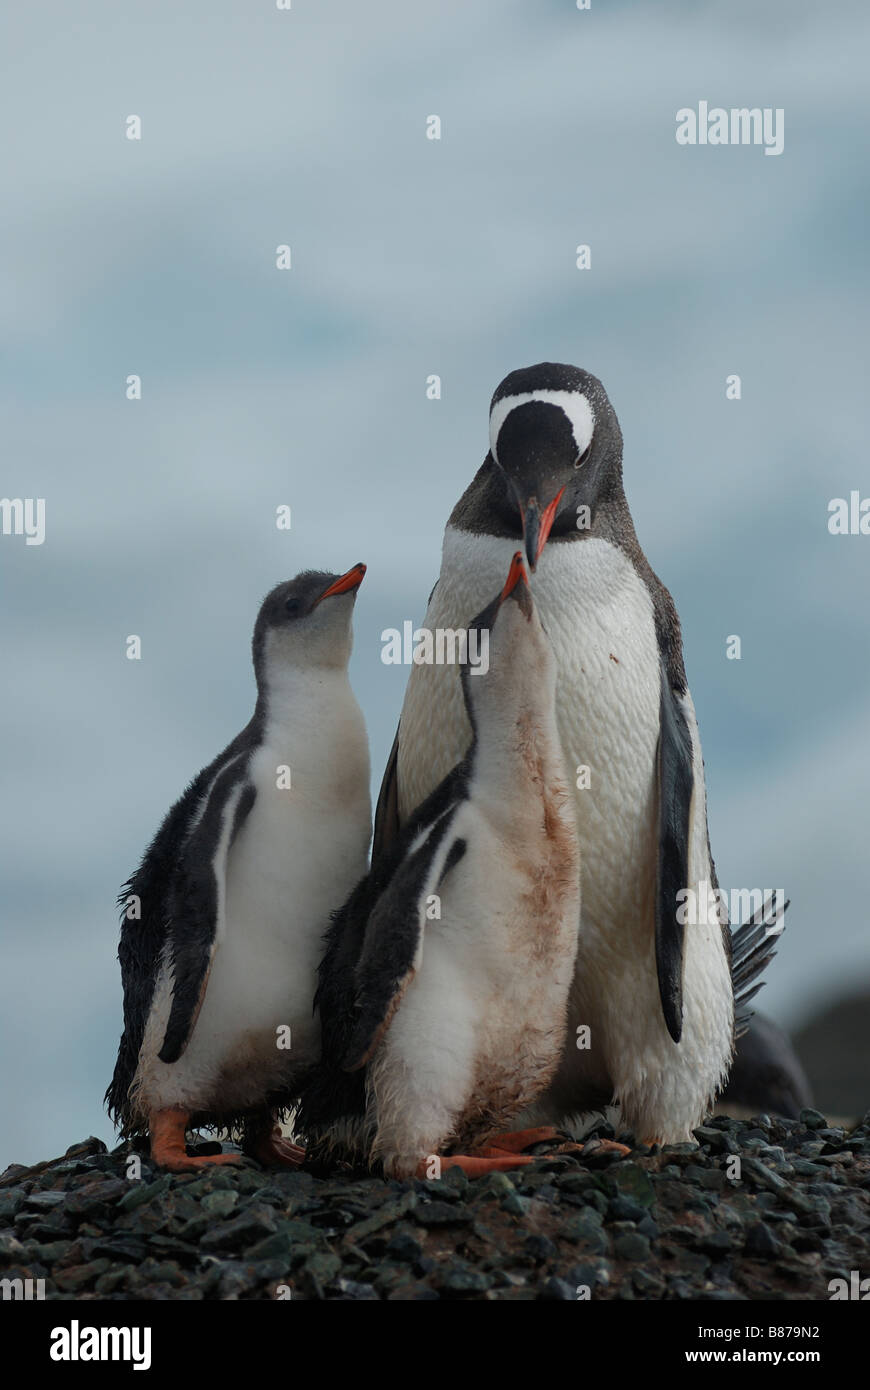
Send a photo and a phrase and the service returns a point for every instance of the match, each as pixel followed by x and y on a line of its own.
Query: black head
pixel 306 621
pixel 555 439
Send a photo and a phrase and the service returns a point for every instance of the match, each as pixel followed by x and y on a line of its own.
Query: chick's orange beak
pixel 345 582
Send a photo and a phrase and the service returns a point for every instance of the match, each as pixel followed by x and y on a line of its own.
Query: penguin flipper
pixel 353 998
pixel 676 780
pixel 143 939
pixel 196 895
pixel 753 947
pixel 386 831
pixel 387 810
pixel 392 950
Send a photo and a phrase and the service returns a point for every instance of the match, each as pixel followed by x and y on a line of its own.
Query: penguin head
pixel 555 439
pixel 510 658
pixel 306 621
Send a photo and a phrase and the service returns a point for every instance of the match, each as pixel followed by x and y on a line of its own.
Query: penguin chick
pixel 446 975
pixel 223 922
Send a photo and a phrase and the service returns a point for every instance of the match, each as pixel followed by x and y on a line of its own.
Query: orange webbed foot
pixel 605 1146
pixel 476 1165
pixel 274 1151
pixel 167 1128
pixel 515 1140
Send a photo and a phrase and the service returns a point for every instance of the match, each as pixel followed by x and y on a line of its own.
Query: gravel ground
pixel 660 1224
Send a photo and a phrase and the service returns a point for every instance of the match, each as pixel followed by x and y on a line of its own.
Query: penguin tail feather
pixel 753 947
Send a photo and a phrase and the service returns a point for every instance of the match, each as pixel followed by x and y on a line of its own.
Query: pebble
pixel 582 1230
pixel 442 1214
pixel 515 1205
pixel 220 1203
pixel 812 1119
pixel 539 1248
pixel 44 1201
pixel 558 1289
pixel 403 1246
pixel 459 1277
pixel 243 1230
pixel 631 1246
pixel 761 1242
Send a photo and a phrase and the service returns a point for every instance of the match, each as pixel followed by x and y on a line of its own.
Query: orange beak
pixel 517 586
pixel 345 582
pixel 516 572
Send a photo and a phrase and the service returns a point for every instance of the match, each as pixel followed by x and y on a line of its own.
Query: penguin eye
pixel 581 458
pixel 291 607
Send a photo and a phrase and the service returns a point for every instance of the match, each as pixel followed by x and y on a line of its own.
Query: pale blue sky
pixel 410 257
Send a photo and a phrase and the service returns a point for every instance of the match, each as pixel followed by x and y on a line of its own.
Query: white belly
pixel 293 862
pixel 480 1028
pixel 599 617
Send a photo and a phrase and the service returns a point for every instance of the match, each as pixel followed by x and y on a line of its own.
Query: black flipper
pixel 193 901
pixel 675 777
pixel 144 937
pixel 332 1094
pixel 393 942
pixel 329 1094
pixel 386 831
pixel 142 941
pixel 387 810
pixel 753 947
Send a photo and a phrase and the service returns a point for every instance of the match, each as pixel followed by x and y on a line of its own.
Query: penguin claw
pixel 274 1151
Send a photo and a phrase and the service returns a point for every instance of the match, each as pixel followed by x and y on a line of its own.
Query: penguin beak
pixel 537 522
pixel 517 586
pixel 345 583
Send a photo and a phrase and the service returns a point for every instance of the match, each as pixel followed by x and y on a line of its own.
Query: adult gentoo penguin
pixel 236 890
pixel 447 972
pixel 655 994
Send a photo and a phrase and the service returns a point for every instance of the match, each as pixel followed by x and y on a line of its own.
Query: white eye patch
pixel 573 403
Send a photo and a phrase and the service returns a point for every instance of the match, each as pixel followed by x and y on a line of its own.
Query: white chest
pixel 300 851
pixel 599 617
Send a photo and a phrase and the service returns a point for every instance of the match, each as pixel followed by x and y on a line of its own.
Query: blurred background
pixel 413 257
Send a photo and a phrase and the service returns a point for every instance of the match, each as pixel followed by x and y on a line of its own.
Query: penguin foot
pixel 515 1140
pixel 274 1151
pixel 503 1152
pixel 595 1147
pixel 477 1166
pixel 167 1129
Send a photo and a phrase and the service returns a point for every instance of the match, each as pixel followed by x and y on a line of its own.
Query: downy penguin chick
pixel 447 972
pixel 224 918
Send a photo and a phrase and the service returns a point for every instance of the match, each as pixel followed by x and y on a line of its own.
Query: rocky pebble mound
pixel 791 1214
